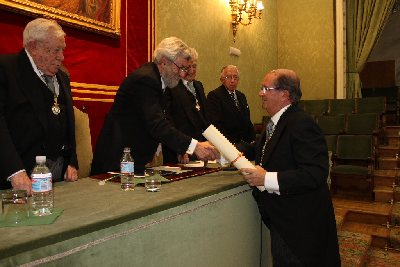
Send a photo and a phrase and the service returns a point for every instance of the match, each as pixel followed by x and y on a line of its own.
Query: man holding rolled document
pixel 292 159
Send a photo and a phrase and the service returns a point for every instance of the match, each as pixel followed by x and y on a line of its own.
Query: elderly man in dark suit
pixel 227 108
pixel 137 118
pixel 292 192
pixel 186 109
pixel 36 113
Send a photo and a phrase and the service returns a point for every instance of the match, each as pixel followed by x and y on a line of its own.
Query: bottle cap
pixel 40 159
pixel 127 149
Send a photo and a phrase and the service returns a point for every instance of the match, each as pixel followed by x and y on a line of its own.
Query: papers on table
pixel 176 170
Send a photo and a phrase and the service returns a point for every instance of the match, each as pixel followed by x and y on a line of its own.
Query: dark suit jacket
pixel 223 114
pixel 181 110
pixel 23 116
pixel 137 120
pixel 303 212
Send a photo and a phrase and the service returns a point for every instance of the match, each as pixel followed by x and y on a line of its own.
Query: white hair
pixel 228 67
pixel 171 48
pixel 40 29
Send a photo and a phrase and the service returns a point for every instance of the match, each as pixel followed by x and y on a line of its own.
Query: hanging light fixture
pixel 243 11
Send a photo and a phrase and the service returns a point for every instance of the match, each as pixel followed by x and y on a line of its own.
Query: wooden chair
pixel 341 106
pixel 353 166
pixel 364 124
pixel 372 105
pixel 331 141
pixel 332 124
pixel 315 107
pixel 83 142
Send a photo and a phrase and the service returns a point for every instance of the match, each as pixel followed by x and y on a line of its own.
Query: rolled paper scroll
pixel 228 150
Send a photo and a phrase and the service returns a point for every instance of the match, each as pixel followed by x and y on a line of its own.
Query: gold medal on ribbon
pixel 55 108
pixel 197 105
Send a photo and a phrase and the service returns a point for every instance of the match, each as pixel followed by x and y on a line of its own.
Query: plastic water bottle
pixel 127 170
pixel 42 188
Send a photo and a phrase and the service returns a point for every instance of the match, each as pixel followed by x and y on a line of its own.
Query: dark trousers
pixel 282 256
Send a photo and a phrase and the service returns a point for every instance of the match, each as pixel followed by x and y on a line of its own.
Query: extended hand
pixel 21 181
pixel 71 174
pixel 205 151
pixel 255 177
pixel 183 159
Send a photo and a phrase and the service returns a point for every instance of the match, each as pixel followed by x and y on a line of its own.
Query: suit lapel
pixel 31 85
pixel 279 128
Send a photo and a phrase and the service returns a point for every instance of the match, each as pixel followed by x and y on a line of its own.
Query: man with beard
pixel 137 117
pixel 186 109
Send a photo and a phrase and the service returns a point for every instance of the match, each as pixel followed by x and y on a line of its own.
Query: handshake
pixel 206 151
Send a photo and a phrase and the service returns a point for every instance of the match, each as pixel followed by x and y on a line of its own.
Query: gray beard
pixel 171 82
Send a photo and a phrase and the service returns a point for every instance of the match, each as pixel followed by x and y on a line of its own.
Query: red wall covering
pixel 92 58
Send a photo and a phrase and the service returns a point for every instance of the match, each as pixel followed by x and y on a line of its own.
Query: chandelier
pixel 243 11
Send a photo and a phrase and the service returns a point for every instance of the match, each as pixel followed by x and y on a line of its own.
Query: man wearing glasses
pixel 227 108
pixel 137 117
pixel 290 180
pixel 186 109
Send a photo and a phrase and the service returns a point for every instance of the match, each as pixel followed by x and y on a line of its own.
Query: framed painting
pixel 100 16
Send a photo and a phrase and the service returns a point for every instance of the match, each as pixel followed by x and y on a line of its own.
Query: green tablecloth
pixel 89 207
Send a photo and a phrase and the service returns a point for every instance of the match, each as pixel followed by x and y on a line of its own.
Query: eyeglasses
pixel 181 68
pixel 232 77
pixel 264 89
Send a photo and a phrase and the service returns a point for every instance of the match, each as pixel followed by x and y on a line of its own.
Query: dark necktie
pixel 270 130
pixel 268 134
pixel 191 88
pixel 234 97
pixel 50 84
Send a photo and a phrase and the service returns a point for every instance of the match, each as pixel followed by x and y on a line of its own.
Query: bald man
pixel 292 192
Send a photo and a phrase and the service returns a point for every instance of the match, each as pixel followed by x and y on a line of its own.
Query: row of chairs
pixel 353 164
pixel 349 124
pixel 318 107
pixel 352 138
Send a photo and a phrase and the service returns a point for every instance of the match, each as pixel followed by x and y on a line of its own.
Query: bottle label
pixel 41 182
pixel 127 167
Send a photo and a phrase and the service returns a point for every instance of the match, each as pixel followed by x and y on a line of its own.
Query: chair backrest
pixel 332 124
pixel 391 94
pixel 357 147
pixel 331 141
pixel 364 123
pixel 83 142
pixel 341 106
pixel 371 105
pixel 315 107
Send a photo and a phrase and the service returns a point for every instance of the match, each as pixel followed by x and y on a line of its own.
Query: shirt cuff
pixel 15 173
pixel 271 182
pixel 192 147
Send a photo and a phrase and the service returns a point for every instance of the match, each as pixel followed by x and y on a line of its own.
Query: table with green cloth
pixel 208 220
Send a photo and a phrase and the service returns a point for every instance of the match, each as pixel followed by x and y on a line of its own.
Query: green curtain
pixel 365 20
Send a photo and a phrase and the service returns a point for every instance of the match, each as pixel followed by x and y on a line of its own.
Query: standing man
pixel 293 158
pixel 36 114
pixel 186 109
pixel 228 110
pixel 137 118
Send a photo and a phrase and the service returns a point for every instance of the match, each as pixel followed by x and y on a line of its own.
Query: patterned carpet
pixel 353 248
pixel 382 258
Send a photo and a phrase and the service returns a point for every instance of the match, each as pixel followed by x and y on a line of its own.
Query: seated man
pixel 186 109
pixel 36 113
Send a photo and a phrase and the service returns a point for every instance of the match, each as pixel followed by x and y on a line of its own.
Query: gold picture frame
pixel 100 16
